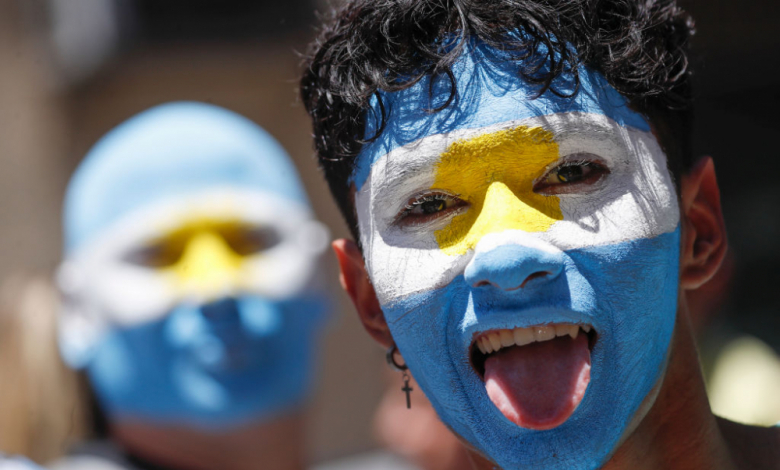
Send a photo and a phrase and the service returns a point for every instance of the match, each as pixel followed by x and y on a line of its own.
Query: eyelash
pixel 570 163
pixel 419 200
pixel 573 163
pixel 596 171
pixel 422 199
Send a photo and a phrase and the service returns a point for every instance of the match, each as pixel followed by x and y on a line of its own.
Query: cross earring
pixel 405 373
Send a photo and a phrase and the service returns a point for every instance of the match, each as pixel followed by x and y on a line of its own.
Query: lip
pixel 477 358
pixel 508 317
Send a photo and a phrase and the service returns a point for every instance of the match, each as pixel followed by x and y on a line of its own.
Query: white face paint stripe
pixel 126 294
pixel 632 202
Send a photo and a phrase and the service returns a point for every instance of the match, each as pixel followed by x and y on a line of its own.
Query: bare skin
pixel 679 431
pixel 276 445
pixel 417 433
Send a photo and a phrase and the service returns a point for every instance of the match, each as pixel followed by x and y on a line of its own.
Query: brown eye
pixel 429 207
pixel 570 177
pixel 158 253
pixel 572 173
pixel 247 240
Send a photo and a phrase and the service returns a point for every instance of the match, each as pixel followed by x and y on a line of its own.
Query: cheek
pixel 132 295
pixel 425 328
pixel 280 273
pixel 399 272
pixel 634 285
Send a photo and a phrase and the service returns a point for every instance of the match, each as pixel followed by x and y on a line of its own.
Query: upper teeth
pixel 494 340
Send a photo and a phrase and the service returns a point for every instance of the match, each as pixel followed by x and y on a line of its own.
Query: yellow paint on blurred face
pixel 207 264
pixel 205 256
pixel 495 174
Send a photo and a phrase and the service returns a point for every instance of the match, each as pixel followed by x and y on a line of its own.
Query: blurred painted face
pixel 525 255
pixel 200 306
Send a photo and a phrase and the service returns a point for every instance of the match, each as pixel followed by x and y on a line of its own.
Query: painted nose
pixel 225 309
pixel 253 314
pixel 510 267
pixel 208 266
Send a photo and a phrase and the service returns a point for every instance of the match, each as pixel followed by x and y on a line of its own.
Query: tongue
pixel 538 386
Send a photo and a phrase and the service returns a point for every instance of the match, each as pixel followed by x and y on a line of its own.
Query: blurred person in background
pixel 40 398
pixel 34 421
pixel 192 297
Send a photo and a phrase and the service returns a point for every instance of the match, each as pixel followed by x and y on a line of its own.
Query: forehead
pixel 489 92
pixel 194 213
pixel 171 152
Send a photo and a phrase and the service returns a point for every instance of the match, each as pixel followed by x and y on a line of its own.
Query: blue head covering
pixel 170 367
pixel 171 150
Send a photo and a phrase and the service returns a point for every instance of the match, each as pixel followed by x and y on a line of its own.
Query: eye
pixel 429 207
pixel 570 177
pixel 247 239
pixel 157 254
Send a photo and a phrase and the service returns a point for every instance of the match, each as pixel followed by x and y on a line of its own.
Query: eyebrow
pixel 400 168
pixel 566 131
pixel 410 162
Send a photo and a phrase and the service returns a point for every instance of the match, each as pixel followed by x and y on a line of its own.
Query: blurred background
pixel 70 70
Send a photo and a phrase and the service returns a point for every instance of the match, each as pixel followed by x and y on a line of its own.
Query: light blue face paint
pixel 211 364
pixel 626 288
pixel 172 150
pixel 215 366
pixel 628 292
pixel 17 463
pixel 489 92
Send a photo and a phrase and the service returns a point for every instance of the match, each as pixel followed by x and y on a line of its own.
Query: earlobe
pixel 356 283
pixel 704 241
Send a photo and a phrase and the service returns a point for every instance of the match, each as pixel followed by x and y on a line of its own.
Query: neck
pixel 679 431
pixel 277 445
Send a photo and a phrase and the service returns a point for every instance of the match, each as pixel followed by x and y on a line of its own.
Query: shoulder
pixel 16 463
pixel 377 460
pixel 93 455
pixel 753 447
pixel 83 462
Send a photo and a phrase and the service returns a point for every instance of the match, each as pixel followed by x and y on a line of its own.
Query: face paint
pixel 183 307
pixel 16 463
pixel 503 213
pixel 508 156
pixel 168 151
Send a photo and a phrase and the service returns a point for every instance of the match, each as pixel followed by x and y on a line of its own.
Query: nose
pixel 208 266
pixel 255 315
pixel 221 309
pixel 512 266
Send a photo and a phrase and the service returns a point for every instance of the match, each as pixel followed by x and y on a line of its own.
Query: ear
pixel 78 331
pixel 354 279
pixel 704 242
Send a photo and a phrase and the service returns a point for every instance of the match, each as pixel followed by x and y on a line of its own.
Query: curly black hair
pixel 368 46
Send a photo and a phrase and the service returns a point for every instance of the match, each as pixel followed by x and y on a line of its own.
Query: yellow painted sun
pixel 494 173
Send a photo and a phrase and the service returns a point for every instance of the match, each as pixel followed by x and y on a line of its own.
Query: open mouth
pixel 535 376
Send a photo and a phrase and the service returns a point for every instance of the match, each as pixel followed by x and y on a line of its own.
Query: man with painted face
pixel 528 221
pixel 192 298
